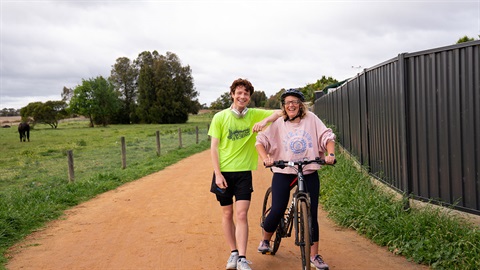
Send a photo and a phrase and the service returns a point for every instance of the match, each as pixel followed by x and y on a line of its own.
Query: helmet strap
pixel 288 119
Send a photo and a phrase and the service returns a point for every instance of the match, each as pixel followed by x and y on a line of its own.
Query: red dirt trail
pixel 170 220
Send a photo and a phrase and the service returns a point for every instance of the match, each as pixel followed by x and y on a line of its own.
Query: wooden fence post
pixel 157 135
pixel 196 132
pixel 208 128
pixel 71 173
pixel 180 137
pixel 124 153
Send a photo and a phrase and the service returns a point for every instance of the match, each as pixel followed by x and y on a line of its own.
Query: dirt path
pixel 170 220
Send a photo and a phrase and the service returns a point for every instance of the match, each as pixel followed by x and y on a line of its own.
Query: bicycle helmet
pixel 292 92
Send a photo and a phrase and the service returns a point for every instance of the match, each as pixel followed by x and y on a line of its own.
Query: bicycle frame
pixel 290 214
pixel 297 215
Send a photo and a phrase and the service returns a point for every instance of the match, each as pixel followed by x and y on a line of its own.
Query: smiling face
pixel 292 106
pixel 241 98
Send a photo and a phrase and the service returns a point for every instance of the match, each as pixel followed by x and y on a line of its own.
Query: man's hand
pixel 259 126
pixel 220 181
pixel 262 124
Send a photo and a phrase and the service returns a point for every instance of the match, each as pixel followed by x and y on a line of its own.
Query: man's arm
pixel 219 179
pixel 260 125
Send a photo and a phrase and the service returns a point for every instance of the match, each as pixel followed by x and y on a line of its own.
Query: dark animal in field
pixel 24 131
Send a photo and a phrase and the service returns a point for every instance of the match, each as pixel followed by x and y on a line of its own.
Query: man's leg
pixel 229 226
pixel 242 225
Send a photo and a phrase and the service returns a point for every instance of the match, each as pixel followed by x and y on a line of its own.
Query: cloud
pixel 46 45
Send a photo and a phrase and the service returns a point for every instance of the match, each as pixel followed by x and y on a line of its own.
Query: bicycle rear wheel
pixel 267 206
pixel 304 239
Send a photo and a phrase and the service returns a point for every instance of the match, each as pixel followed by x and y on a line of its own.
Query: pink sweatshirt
pixel 296 141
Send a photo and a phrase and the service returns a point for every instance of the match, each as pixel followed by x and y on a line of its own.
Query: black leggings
pixel 281 197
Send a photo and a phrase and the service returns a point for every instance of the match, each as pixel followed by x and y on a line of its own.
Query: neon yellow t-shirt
pixel 236 147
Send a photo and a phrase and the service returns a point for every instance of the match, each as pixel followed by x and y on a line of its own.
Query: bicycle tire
pixel 303 219
pixel 267 206
pixel 278 236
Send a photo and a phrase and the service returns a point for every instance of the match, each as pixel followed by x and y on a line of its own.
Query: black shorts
pixel 239 185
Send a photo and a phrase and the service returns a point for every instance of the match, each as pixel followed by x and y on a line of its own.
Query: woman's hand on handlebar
pixel 268 161
pixel 330 160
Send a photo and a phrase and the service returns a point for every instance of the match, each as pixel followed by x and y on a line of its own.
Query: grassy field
pixel 34 182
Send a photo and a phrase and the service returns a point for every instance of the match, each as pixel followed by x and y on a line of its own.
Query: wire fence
pixel 85 153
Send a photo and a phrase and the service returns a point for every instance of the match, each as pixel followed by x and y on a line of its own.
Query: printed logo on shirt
pixel 298 145
pixel 298 141
pixel 238 134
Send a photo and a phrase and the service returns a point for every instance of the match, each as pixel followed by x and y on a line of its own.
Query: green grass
pixel 429 235
pixel 34 184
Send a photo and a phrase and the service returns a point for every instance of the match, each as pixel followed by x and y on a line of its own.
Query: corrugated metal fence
pixel 414 121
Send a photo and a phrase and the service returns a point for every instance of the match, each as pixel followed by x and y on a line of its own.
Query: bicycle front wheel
pixel 303 233
pixel 267 206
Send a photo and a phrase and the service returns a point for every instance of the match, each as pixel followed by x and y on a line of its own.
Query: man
pixel 234 157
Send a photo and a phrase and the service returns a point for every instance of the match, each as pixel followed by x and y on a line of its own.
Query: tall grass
pixel 429 235
pixel 34 186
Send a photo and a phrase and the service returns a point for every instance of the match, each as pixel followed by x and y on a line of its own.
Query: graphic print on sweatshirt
pixel 298 142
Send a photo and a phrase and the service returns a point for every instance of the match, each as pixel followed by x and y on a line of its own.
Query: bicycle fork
pixel 301 197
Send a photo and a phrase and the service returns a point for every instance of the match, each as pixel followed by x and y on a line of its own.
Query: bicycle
pixel 297 215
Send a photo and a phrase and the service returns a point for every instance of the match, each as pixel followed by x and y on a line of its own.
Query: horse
pixel 24 131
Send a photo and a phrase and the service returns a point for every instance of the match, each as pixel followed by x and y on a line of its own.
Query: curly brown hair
pixel 241 82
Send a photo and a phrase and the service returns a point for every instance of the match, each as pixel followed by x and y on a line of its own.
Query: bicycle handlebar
pixel 284 163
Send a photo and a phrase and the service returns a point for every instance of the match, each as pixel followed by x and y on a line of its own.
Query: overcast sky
pixel 46 45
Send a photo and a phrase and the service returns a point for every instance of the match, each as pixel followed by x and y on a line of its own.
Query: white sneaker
pixel 243 264
pixel 232 261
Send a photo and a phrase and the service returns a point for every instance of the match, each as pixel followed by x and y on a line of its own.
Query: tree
pixel 30 111
pixel 166 92
pixel 49 112
pixel 319 85
pixel 465 39
pixel 124 77
pixel 52 112
pixel 9 112
pixel 258 99
pixel 95 99
pixel 223 102
pixel 146 85
pixel 273 101
pixel 67 94
pixel 196 107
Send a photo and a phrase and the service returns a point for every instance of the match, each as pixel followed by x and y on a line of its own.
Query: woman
pixel 298 135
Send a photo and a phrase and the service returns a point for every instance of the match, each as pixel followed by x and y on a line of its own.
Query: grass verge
pixel 428 235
